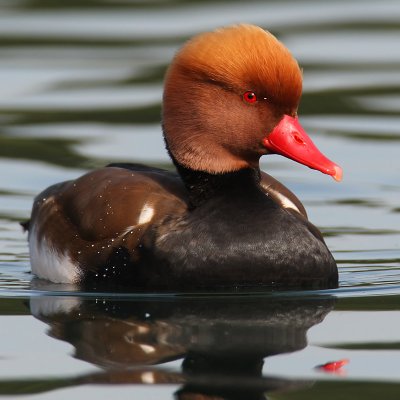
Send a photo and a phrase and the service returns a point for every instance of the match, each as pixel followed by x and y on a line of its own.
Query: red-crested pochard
pixel 230 97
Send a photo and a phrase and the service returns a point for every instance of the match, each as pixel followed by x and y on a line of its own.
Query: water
pixel 81 84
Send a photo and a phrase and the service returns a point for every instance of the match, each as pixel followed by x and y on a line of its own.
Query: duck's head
pixel 232 96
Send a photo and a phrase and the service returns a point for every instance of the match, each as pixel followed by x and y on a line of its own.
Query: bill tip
pixel 338 174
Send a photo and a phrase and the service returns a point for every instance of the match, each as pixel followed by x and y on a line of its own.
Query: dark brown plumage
pixel 219 222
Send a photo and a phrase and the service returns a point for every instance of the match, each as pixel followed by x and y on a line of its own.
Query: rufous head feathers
pixel 206 125
pixel 243 56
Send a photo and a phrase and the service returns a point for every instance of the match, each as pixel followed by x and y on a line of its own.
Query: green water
pixel 81 86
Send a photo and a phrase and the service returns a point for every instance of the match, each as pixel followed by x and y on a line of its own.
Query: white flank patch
pixel 147 348
pixel 146 214
pixel 47 263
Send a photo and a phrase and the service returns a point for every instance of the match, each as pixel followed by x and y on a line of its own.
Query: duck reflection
pixel 223 340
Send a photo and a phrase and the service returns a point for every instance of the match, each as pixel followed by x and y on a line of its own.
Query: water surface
pixel 81 86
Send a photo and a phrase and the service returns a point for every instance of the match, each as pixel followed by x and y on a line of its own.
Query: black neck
pixel 202 185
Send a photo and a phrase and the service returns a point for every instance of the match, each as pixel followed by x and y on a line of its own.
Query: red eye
pixel 250 97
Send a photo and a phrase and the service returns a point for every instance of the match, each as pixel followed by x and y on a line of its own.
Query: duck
pixel 217 222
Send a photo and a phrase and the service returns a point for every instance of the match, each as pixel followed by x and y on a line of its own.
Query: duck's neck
pixel 203 186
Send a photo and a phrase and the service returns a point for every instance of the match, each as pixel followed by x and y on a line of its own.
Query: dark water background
pixel 80 86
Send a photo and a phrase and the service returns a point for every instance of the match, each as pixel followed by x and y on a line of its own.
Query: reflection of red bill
pixel 333 366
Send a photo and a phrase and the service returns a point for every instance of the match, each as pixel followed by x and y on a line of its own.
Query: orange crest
pixel 244 57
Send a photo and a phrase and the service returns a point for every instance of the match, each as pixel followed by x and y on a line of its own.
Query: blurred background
pixel 81 86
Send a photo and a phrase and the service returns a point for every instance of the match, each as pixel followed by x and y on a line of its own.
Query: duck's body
pixel 218 223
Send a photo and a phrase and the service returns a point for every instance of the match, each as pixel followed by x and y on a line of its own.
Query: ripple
pixel 86 99
pixel 380 103
pixel 186 20
pixel 350 79
pixel 374 127
pixel 346 47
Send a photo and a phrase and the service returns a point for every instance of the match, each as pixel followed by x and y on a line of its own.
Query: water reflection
pixel 72 75
pixel 223 341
